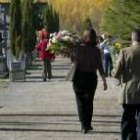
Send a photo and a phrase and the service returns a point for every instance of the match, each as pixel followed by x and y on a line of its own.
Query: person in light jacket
pixel 128 68
pixel 106 47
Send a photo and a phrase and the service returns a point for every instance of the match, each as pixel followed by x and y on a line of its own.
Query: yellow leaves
pixel 71 11
pixel 118 45
pixel 4 1
pixel 8 1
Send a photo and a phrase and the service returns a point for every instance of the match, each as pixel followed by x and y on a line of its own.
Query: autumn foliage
pixel 74 12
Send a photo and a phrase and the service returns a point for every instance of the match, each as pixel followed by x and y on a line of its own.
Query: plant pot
pixel 17 72
pixel 17 76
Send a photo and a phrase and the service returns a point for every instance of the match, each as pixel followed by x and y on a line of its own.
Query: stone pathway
pixel 35 110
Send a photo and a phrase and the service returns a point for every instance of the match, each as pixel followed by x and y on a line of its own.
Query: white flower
pixel 49 45
pixel 64 33
pixel 54 40
pixel 66 38
pixel 54 34
pixel 72 40
pixel 50 40
pixel 51 35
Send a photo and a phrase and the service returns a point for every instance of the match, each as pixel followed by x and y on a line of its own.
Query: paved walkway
pixel 35 110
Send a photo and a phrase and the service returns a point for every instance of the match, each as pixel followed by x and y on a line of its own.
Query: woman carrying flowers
pixel 46 56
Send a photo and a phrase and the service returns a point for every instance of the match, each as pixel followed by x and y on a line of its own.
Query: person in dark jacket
pixel 88 60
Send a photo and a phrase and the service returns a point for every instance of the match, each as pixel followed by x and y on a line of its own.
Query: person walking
pixel 106 47
pixel 128 68
pixel 88 60
pixel 46 56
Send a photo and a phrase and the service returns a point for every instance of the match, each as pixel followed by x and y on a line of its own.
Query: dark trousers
pixel 84 97
pixel 108 64
pixel 130 125
pixel 47 69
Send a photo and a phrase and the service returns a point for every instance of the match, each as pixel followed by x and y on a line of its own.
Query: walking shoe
pixel 84 131
pixel 44 80
pixel 90 128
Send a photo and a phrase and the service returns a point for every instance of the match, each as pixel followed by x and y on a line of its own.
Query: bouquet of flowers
pixel 63 43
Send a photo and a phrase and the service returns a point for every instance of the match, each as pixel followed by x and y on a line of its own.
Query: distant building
pixel 2 31
pixel 4 25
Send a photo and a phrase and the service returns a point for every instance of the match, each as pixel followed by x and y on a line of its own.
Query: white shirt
pixel 105 47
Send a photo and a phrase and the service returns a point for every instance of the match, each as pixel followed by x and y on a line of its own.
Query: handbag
pixel 71 72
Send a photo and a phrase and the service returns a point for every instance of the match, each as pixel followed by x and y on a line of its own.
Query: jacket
pixel 88 60
pixel 42 46
pixel 128 68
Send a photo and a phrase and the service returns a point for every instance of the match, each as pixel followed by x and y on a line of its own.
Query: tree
pixel 122 17
pixel 74 12
pixel 51 19
pixel 47 18
pixel 15 27
pixel 87 23
pixel 56 21
pixel 37 13
pixel 28 30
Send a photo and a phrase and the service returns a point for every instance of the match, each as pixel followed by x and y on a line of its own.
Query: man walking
pixel 128 68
